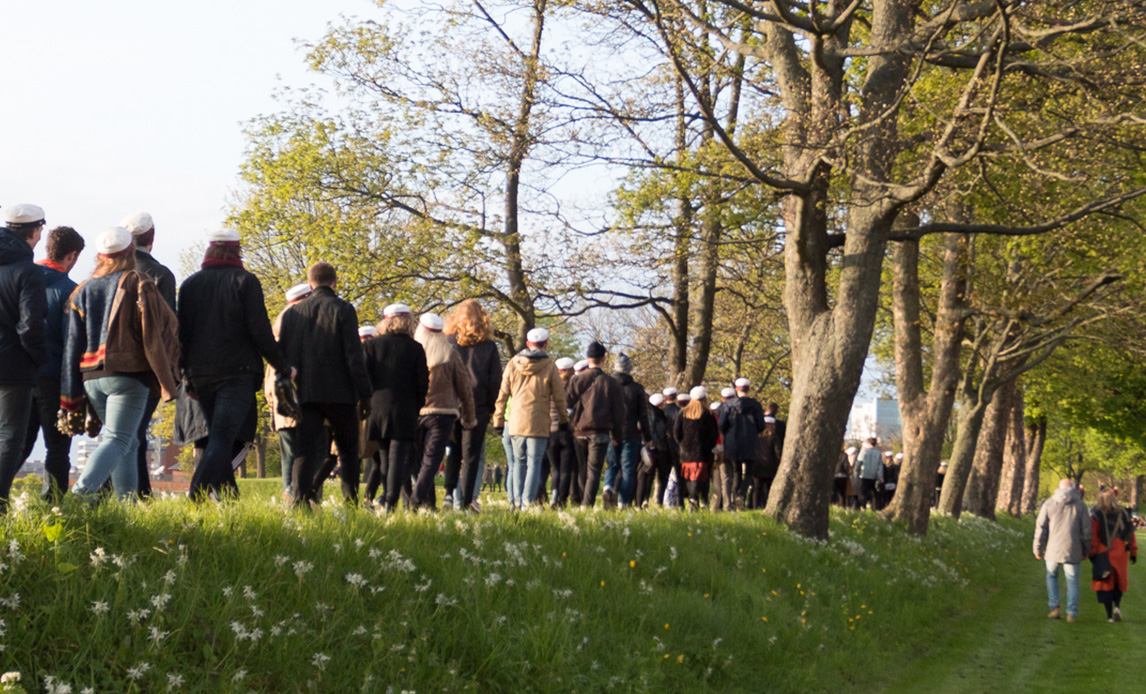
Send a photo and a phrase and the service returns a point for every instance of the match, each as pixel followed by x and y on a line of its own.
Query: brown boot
pixel 1054 614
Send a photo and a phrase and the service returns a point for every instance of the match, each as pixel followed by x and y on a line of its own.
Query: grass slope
pixel 249 597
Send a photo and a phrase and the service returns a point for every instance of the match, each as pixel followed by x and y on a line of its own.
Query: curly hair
pixel 469 323
pixel 402 324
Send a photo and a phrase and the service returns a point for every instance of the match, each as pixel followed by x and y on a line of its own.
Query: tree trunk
pixel 261 455
pixel 682 226
pixel 1036 438
pixel 968 422
pixel 709 263
pixel 983 484
pixel 1014 460
pixel 1136 485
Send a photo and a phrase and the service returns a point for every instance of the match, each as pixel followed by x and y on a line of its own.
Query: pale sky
pixel 126 105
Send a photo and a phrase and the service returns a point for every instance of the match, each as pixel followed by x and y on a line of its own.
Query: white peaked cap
pixel 396 310
pixel 742 382
pixel 138 223
pixel 432 322
pixel 851 450
pixel 367 331
pixel 768 419
pixel 683 398
pixel 223 236
pixel 656 399
pixel 581 365
pixel 727 393
pixel 714 405
pixel 299 291
pixel 537 335
pixel 899 456
pixel 670 391
pixel 698 392
pixel 564 363
pixel 24 213
pixel 113 241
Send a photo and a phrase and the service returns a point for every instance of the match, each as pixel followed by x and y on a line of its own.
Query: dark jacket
pixel 319 337
pixel 23 305
pixel 163 277
pixel 771 447
pixel 224 327
pixel 636 408
pixel 696 437
pixel 659 429
pixel 741 421
pixel 396 365
pixel 597 403
pixel 484 365
pixel 59 289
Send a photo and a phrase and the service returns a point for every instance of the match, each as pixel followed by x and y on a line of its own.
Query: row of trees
pixel 736 187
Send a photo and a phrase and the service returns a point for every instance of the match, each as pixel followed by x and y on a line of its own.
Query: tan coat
pixel 277 420
pixel 451 391
pixel 143 334
pixel 532 380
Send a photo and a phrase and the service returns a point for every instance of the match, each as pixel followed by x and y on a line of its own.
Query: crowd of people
pixel 409 396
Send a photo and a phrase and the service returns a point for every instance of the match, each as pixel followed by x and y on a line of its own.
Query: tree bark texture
pixel 983 484
pixel 1014 460
pixel 1136 485
pixel 1036 438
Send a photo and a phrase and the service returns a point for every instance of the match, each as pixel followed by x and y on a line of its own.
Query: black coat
pixel 396 364
pixel 771 450
pixel 659 429
pixel 696 437
pixel 636 408
pixel 484 365
pixel 23 304
pixel 319 337
pixel 164 278
pixel 223 325
pixel 741 421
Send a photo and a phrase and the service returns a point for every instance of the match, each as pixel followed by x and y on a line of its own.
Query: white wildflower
pixel 98 557
pixel 320 660
pixel 281 559
pixel 174 681
pixel 138 671
pixel 99 607
pixel 10 677
pixel 302 567
pixel 249 593
pixel 239 676
pixel 169 578
pixel 228 591
pixel 156 634
pixel 159 602
pixel 355 580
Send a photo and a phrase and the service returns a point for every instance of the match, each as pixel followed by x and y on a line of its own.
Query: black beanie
pixel 596 350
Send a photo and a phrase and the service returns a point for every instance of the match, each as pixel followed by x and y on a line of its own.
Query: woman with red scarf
pixel 1113 533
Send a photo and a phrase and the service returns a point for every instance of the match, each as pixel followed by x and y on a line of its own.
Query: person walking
pixel 142 230
pixel 320 339
pixel 64 246
pixel 1063 534
pixel 449 398
pixel 672 409
pixel 1112 532
pixel 285 427
pixel 23 350
pixel 469 328
pixel 696 432
pixel 659 465
pixel 870 469
pixel 396 365
pixel 122 348
pixel 225 334
pixel 598 408
pixel 624 458
pixel 532 381
pixel 560 451
pixel 741 424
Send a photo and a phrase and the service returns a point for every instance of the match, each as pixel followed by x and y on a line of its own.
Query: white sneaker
pixel 1117 614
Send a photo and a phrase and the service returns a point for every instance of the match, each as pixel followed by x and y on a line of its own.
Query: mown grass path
pixel 1012 647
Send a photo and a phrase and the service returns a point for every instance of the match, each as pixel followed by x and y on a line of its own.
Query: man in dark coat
pixel 142 230
pixel 396 366
pixel 741 421
pixel 319 337
pixel 598 407
pixel 225 334
pixel 64 246
pixel 624 458
pixel 23 303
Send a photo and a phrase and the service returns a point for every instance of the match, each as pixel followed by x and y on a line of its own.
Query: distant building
pixel 878 418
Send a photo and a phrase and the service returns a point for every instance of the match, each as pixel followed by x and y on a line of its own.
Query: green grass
pixel 261 599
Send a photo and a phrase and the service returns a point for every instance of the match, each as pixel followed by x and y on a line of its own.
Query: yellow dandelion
pixel 602 584
pixel 706 596
pixel 666 626
pixel 680 658
pixel 764 619
pixel 666 656
pixel 632 564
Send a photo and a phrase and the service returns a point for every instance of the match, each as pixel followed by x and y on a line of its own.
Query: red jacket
pixel 1119 554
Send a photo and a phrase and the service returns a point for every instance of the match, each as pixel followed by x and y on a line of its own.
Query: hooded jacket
pixel 23 305
pixel 1063 530
pixel 59 289
pixel 598 404
pixel 869 464
pixel 532 380
pixel 741 422
pixel 636 408
pixel 450 391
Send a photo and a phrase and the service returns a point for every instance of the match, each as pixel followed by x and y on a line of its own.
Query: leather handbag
pixel 1100 568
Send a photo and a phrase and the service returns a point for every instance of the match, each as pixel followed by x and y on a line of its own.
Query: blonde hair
pixel 401 324
pixel 438 348
pixel 469 323
pixel 108 265
pixel 695 408
pixel 1107 503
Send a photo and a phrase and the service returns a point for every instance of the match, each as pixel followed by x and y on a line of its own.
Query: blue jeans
pixel 15 411
pixel 624 459
pixel 510 490
pixel 1071 572
pixel 226 403
pixel 120 402
pixel 525 470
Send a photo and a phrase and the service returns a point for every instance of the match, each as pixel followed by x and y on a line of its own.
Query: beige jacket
pixel 532 380
pixel 277 420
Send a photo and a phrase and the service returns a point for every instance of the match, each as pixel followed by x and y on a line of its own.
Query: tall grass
pixel 248 596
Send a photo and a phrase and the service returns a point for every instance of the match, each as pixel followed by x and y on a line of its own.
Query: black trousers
pixel 144 487
pixel 867 495
pixel 343 420
pixel 226 403
pixel 57 464
pixel 466 446
pixel 563 462
pixel 591 452
pixel 394 456
pixel 374 475
pixel 762 486
pixel 433 436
